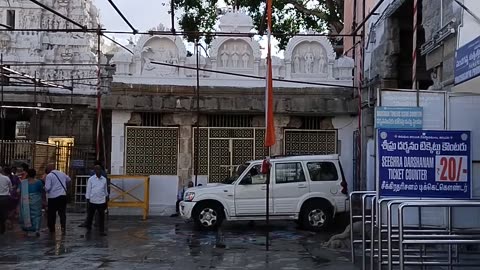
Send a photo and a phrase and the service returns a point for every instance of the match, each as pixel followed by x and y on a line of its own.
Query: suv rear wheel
pixel 208 216
pixel 316 216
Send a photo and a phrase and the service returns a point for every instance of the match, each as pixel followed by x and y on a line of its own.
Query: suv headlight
pixel 189 196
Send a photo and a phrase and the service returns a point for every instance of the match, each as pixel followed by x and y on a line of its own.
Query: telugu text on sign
pixel 421 163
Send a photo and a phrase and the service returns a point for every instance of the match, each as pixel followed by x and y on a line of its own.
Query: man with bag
pixel 56 187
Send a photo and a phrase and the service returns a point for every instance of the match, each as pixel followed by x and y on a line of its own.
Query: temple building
pixel 54 55
pixel 153 104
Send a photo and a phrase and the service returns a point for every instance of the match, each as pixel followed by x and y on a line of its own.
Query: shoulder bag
pixel 64 188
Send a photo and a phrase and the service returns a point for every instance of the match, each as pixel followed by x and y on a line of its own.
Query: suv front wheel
pixel 316 216
pixel 208 216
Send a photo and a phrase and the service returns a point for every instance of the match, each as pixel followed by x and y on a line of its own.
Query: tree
pixel 289 17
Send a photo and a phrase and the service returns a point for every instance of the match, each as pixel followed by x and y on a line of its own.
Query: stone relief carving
pixel 5 42
pixel 163 51
pixel 30 46
pixel 322 62
pixel 309 62
pixel 309 59
pixel 67 55
pixel 224 54
pixel 245 56
pixel 62 6
pixel 296 63
pixel 236 55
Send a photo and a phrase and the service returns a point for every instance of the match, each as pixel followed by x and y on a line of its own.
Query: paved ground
pixel 169 243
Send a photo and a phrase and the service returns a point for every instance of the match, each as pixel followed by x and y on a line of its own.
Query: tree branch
pixel 300 7
pixel 331 17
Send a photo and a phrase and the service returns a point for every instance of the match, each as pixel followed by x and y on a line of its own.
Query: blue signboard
pixel 467 61
pixel 424 164
pixel 399 117
pixel 78 164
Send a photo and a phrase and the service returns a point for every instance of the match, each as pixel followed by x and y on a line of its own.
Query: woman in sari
pixel 31 203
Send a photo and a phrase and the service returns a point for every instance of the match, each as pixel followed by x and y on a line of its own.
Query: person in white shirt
pixel 5 188
pixel 56 188
pixel 97 197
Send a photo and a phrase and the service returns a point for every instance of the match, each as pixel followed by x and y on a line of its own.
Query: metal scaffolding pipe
pixel 169 33
pixel 370 14
pixel 135 31
pixel 117 43
pixel 251 76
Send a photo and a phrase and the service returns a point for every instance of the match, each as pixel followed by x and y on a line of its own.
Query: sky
pixel 142 14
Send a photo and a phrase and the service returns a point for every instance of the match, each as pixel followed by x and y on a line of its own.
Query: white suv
pixel 308 189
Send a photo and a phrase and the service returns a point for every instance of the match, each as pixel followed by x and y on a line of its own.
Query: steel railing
pixel 395 244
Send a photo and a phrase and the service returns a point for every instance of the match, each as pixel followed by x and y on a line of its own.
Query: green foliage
pixel 289 17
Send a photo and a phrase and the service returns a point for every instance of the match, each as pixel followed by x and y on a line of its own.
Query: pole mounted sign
pixel 424 164
pixel 467 61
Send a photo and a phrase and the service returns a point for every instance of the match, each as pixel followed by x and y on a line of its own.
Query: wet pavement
pixel 169 243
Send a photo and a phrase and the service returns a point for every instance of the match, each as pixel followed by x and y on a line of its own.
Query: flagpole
pixel 269 118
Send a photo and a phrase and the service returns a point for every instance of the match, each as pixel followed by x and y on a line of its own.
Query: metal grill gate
pixel 151 150
pixel 223 149
pixel 310 142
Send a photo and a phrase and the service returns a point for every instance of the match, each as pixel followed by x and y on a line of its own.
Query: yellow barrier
pixel 123 197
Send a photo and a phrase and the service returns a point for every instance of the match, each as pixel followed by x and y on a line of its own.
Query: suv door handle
pixel 264 188
pixel 302 185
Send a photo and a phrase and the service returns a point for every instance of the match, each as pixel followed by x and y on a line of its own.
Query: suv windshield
pixel 230 179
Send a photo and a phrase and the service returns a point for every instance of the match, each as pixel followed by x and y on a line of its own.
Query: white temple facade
pixel 56 56
pixel 307 58
pixel 157 113
pixel 54 50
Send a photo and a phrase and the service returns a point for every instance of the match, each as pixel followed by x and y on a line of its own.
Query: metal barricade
pixel 354 218
pixel 384 238
pixel 80 189
pixel 385 229
pixel 124 194
pixel 447 236
pixel 367 219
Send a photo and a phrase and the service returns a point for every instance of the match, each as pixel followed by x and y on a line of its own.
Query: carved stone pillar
pixel 288 69
pixel 256 67
pixel 185 122
pixel 281 122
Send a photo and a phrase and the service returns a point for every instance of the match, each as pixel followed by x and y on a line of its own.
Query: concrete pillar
pixel 281 122
pixel 185 122
pixel 185 153
pixel 119 119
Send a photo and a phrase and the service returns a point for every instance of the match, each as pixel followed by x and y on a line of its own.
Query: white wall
pixel 119 119
pixel 346 125
pixel 468 30
pixel 163 194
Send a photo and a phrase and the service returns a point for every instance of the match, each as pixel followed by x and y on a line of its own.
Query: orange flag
pixel 269 120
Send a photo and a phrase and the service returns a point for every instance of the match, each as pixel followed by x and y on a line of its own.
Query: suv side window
pixel 322 171
pixel 289 173
pixel 254 176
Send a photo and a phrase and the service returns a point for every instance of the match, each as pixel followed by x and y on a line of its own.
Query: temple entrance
pixel 223 149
